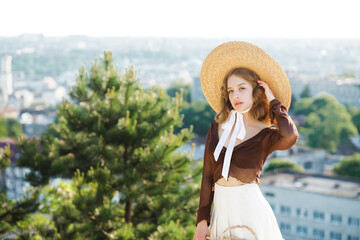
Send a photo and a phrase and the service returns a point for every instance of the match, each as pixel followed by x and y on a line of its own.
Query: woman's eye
pixel 232 90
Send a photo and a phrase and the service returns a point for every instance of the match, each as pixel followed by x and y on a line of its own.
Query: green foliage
pixel 35 226
pixel 3 128
pixel 12 211
pixel 303 106
pixel 277 163
pixel 10 127
pixel 348 166
pixel 116 142
pixel 197 113
pixel 355 115
pixel 356 121
pixel 5 156
pixel 327 123
pixel 171 230
pixel 200 115
pixel 306 92
pixel 176 86
pixel 14 128
pixel 293 101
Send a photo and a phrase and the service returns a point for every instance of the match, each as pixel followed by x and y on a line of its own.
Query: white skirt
pixel 242 205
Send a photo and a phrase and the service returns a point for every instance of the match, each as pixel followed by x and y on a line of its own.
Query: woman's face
pixel 240 93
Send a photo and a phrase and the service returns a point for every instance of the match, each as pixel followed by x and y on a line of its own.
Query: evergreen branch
pixel 107 234
pixel 33 167
pixel 72 118
pixel 69 139
pixel 177 167
pixel 2 216
pixel 89 215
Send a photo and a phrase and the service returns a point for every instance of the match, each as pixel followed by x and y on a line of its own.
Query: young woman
pixel 240 140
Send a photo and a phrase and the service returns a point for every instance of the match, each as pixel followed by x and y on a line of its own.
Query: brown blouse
pixel 247 158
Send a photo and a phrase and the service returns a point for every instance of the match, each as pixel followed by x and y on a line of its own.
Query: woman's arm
pixel 206 193
pixel 287 134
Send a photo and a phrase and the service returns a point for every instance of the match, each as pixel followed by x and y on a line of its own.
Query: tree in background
pixel 197 113
pixel 356 120
pixel 10 127
pixel 277 163
pixel 306 92
pixel 327 123
pixel 355 115
pixel 293 100
pixel 348 166
pixel 116 143
pixel 178 84
pixel 200 115
pixel 3 128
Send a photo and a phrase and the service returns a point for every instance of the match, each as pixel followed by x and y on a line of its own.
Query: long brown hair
pixel 258 110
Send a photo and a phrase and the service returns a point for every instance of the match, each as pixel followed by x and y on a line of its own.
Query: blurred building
pixel 35 120
pixel 12 177
pixel 6 79
pixel 345 90
pixel 24 97
pixel 313 206
pixel 312 160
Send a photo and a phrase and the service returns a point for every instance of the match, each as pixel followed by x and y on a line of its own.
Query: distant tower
pixel 6 79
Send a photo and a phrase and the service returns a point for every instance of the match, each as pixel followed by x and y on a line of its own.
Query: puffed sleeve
pixel 206 193
pixel 286 135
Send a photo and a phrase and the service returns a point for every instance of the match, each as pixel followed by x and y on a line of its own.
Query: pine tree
pixel 12 211
pixel 116 141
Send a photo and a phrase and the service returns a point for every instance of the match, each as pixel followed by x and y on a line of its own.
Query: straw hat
pixel 235 54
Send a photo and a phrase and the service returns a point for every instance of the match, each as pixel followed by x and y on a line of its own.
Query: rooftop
pixel 317 183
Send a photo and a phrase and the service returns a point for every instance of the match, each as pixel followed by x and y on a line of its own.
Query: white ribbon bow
pixel 239 132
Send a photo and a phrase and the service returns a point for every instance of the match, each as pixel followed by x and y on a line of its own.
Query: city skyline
pixel 159 18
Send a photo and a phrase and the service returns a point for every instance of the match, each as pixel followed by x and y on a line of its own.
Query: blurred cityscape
pixel 36 73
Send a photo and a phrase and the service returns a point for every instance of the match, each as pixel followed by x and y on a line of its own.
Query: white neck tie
pixel 239 132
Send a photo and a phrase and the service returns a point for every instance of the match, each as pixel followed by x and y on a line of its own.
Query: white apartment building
pixel 312 160
pixel 313 206
pixel 345 90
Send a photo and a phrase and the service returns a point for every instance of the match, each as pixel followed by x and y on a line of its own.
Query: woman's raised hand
pixel 270 96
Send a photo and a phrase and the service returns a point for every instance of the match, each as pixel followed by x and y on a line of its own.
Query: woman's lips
pixel 238 104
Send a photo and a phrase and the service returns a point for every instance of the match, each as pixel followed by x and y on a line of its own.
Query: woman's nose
pixel 236 94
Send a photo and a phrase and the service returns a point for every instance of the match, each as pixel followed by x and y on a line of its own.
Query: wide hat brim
pixel 236 54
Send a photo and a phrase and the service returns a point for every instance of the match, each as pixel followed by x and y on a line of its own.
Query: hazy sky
pixel 182 18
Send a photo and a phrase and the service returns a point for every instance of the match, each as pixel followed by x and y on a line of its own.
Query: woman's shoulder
pixel 264 127
pixel 260 126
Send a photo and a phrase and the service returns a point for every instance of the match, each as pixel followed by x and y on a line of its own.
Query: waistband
pixel 247 185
